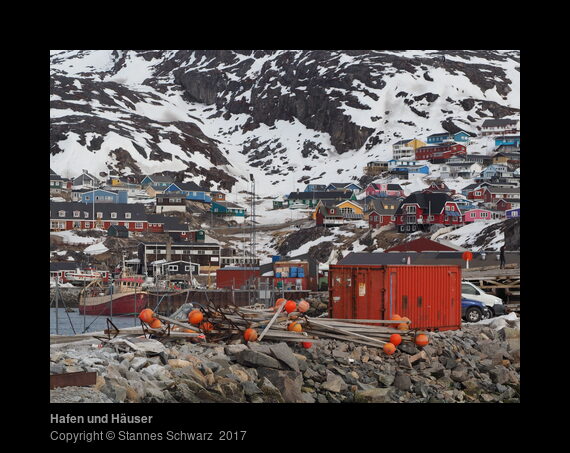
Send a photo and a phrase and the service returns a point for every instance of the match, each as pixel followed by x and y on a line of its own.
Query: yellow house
pixel 115 181
pixel 350 207
pixel 415 143
pixel 500 159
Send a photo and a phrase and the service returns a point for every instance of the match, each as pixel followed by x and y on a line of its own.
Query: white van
pixel 493 303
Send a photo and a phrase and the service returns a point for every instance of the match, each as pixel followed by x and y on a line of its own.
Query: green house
pixel 226 208
pixel 311 199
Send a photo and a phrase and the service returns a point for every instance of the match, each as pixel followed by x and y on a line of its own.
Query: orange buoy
pixel 407 320
pixel 395 339
pixel 389 348
pixel 422 339
pixel 147 315
pixel 195 317
pixel 278 303
pixel 250 334
pixel 207 326
pixel 303 306
pixel 395 318
pixel 295 327
pixel 290 306
pixel 156 324
pixel 306 344
pixel 403 326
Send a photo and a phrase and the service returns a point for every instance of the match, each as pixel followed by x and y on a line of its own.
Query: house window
pixel 172 267
pixel 85 214
pixel 113 215
pixel 87 197
pixel 127 215
pixel 87 224
pixel 61 213
pixel 186 268
pixel 99 215
pixel 410 209
pixel 76 213
pixel 138 225
pixel 484 215
pixel 76 224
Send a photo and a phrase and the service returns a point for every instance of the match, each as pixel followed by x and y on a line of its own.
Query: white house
pixel 460 169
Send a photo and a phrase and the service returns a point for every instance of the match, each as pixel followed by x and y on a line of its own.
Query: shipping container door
pixel 392 293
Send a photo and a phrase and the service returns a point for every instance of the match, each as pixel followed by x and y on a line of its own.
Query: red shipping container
pixel 237 277
pixel 430 296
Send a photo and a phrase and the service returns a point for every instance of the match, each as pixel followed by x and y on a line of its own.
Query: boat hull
pixel 127 304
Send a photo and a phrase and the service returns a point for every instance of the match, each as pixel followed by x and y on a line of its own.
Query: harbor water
pixel 65 320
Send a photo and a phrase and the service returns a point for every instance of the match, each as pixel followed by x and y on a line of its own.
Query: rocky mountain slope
pixel 286 116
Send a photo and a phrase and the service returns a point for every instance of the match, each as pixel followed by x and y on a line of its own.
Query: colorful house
pixel 328 216
pixel 170 202
pixel 350 209
pixel 412 169
pixel 383 211
pixel 406 148
pixel 82 216
pixel 440 151
pixel 337 186
pixel 508 204
pixel 464 169
pixel 419 211
pixel 315 188
pixel 86 179
pixel 500 127
pixel 56 183
pixel 475 215
pixel 375 168
pixel 442 137
pixel 311 199
pixel 384 190
pixel 513 213
pixel 103 196
pixel 439 187
pixel 227 209
pixel 159 181
pixel 190 190
pixel 512 140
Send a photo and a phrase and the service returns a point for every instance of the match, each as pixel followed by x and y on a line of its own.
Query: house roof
pixel 420 245
pixel 118 228
pixel 498 122
pixel 433 201
pixel 189 187
pixel 440 134
pixel 342 185
pixel 332 195
pixel 161 178
pixel 229 204
pixel 53 176
pixel 403 142
pixel 170 223
pixel 381 206
pixel 424 258
pixel 493 189
pixel 89 175
pixel 137 211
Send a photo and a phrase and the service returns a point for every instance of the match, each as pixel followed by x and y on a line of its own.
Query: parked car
pixel 473 310
pixel 493 303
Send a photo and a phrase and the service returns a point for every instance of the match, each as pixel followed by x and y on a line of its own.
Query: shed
pixel 118 231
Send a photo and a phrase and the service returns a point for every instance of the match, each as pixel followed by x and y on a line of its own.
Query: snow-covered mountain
pixel 287 116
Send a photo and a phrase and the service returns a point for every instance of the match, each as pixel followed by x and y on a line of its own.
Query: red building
pixel 421 210
pixel 237 277
pixel 441 151
pixel 378 219
pixel 84 216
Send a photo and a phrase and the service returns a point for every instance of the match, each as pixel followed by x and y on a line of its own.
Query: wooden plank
pixel 268 326
pixel 350 334
pixel 79 379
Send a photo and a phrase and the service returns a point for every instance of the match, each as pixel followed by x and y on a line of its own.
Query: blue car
pixel 473 310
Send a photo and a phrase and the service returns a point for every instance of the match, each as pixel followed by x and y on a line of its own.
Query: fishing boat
pixel 125 296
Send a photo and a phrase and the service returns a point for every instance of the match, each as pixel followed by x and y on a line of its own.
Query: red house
pixel 384 190
pixel 439 187
pixel 441 151
pixel 84 216
pixel 329 215
pixel 382 211
pixel 506 204
pixel 494 194
pixel 421 210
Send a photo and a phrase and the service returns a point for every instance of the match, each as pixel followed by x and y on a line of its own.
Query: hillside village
pixel 433 187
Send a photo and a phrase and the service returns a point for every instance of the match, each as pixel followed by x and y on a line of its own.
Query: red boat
pixel 124 297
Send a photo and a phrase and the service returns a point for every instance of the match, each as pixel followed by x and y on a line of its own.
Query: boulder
pixel 334 383
pixel 251 358
pixel 283 353
pixel 288 383
pixel 376 395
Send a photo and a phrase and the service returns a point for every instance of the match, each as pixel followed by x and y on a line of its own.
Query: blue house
pixel 158 181
pixel 513 140
pixel 412 169
pixel 315 188
pixel 226 208
pixel 104 196
pixel 442 137
pixel 191 191
pixel 493 171
pixel 513 213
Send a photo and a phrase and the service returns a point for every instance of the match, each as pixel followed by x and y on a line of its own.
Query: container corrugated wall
pixel 430 296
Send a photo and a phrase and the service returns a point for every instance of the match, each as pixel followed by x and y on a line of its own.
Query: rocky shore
pixel 479 363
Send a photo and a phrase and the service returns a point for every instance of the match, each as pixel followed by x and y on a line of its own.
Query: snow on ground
pixel 69 237
pixel 466 235
pixel 96 249
pixel 499 322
